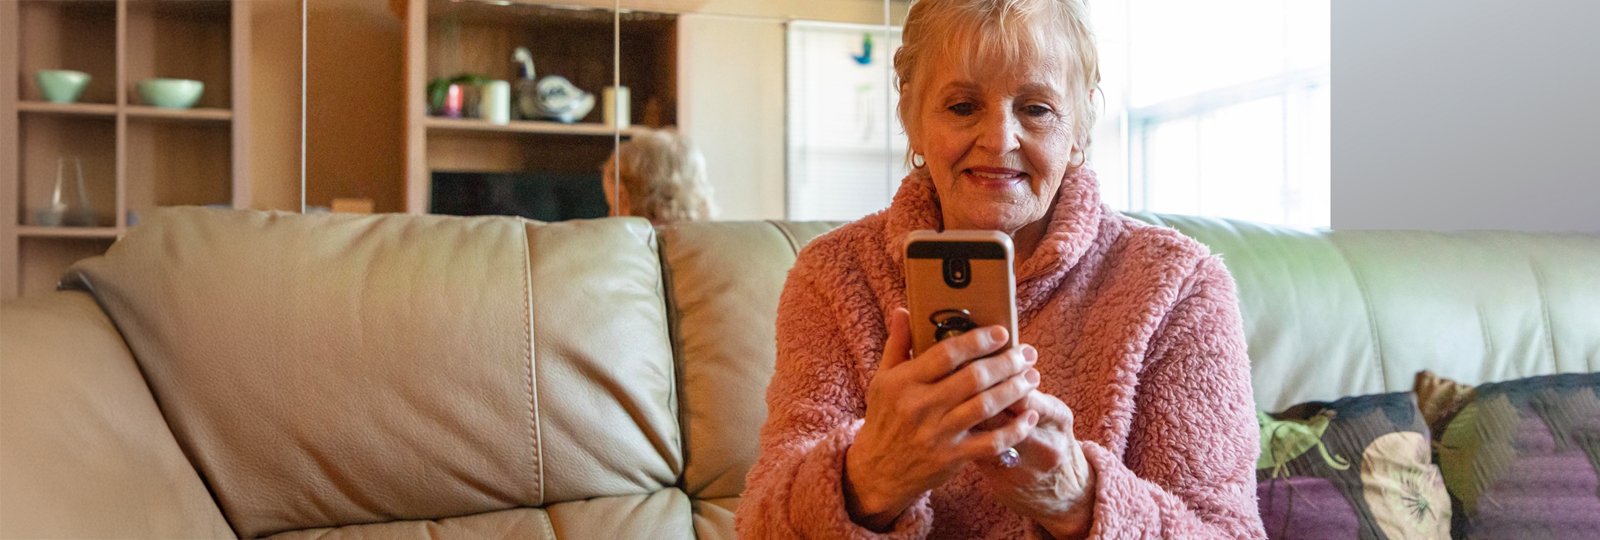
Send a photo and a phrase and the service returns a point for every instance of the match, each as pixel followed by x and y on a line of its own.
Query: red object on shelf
pixel 455 100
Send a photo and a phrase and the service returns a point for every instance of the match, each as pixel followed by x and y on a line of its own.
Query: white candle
pixel 496 103
pixel 616 107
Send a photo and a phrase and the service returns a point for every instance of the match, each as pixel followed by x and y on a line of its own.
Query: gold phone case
pixel 957 275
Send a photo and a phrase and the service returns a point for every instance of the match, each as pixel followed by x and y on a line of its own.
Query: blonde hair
pixel 1009 29
pixel 663 176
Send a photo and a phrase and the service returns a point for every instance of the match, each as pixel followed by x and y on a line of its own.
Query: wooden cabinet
pixel 446 38
pixel 134 157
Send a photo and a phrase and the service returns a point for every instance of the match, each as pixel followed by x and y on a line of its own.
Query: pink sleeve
pixel 1189 469
pixel 814 405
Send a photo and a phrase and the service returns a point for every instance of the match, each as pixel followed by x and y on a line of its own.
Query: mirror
pixel 427 106
pixel 788 101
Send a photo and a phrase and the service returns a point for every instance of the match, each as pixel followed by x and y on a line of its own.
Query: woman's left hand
pixel 1053 482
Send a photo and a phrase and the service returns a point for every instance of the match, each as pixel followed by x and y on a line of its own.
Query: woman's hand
pixel 920 414
pixel 1053 482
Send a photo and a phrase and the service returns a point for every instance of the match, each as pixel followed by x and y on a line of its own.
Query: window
pixel 1215 108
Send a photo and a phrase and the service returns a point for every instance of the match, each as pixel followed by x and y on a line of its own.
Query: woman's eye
pixel 962 109
pixel 1037 111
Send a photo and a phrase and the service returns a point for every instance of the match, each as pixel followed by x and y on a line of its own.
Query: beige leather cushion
pixel 713 518
pixel 330 370
pixel 608 414
pixel 663 514
pixel 84 452
pixel 724 280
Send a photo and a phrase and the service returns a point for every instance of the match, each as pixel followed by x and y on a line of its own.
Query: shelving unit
pixel 135 157
pixel 29 231
pixel 445 38
pixel 158 113
pixel 436 124
pixel 80 109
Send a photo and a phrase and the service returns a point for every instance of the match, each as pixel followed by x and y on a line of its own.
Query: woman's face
pixel 997 139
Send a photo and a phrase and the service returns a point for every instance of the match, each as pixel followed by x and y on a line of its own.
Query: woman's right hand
pixel 920 414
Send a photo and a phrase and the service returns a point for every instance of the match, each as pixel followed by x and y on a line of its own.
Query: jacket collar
pixel 1074 224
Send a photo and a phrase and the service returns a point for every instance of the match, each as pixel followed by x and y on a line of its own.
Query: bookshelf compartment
pixel 79 35
pixel 177 164
pixel 480 38
pixel 45 141
pixel 44 260
pixel 181 39
pixel 518 152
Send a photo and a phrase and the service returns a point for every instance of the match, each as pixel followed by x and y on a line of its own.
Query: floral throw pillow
pixel 1358 467
pixel 1440 399
pixel 1521 459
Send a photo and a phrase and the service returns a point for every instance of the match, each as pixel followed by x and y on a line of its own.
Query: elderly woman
pixel 659 176
pixel 1126 411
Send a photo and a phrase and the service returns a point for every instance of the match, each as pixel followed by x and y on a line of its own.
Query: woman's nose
pixel 1000 131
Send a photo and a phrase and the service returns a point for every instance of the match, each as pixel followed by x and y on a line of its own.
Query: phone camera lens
pixel 957 273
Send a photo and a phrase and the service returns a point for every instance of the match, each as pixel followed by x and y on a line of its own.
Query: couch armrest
pixel 84 450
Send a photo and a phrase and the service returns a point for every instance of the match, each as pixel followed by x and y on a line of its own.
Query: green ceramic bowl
pixel 170 93
pixel 61 85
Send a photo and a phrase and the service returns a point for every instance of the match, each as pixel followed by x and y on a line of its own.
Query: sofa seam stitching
pixel 794 243
pixel 1372 319
pixel 536 450
pixel 1544 309
pixel 1483 328
pixel 669 310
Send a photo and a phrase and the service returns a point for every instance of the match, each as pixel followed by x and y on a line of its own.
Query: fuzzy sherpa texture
pixel 1138 331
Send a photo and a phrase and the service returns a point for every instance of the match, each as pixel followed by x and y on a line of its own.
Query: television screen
pixel 544 196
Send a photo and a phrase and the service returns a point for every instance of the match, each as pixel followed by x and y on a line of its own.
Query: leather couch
pixel 221 374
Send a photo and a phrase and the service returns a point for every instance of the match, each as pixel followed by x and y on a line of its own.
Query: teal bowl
pixel 61 85
pixel 170 93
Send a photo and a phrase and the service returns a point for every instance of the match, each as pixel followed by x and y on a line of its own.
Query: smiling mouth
pixel 994 177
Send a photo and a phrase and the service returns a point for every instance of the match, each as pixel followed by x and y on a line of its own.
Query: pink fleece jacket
pixel 1138 331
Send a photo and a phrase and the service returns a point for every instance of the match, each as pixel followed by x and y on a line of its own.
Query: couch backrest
pixel 334 370
pixel 325 371
pixel 1337 313
pixel 723 281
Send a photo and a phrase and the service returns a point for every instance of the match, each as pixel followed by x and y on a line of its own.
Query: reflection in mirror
pixel 514 107
pixel 502 108
pixel 786 100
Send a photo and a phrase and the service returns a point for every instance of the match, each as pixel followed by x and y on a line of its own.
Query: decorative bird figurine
pixel 553 97
pixel 526 88
pixel 563 101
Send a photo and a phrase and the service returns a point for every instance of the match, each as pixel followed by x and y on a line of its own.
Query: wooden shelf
pixel 201 115
pixel 525 126
pixel 34 231
pixel 445 38
pixel 80 109
pixel 133 157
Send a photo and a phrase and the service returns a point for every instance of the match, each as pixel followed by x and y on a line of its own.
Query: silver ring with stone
pixel 1009 458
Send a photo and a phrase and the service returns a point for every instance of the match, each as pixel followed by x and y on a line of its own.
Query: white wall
pixel 730 103
pixel 1466 114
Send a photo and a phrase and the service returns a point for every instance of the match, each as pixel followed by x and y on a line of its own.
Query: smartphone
pixel 958 281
